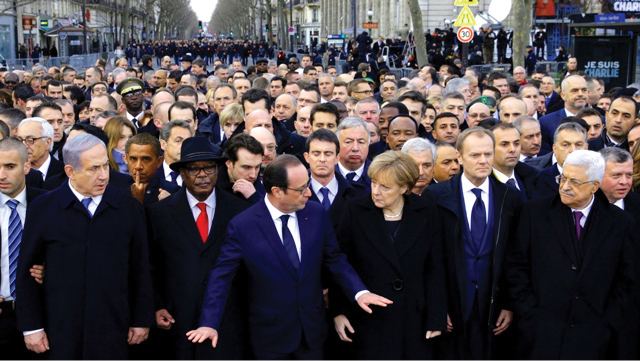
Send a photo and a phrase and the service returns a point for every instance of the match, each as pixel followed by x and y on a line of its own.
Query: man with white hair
pixel 37 136
pixel 572 257
pixel 424 153
pixel 461 86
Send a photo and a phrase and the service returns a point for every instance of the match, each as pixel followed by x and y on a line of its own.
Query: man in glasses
pixel 10 81
pixel 131 91
pixel 240 174
pixel 38 135
pixel 293 64
pixel 192 223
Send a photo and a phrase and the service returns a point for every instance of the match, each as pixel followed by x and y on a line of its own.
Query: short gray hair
pixel 165 132
pixel 63 101
pixel 117 71
pixel 615 155
pixel 454 85
pixel 47 129
pixel 591 161
pixel 523 119
pixel 293 99
pixel 8 144
pixel 353 122
pixel 368 101
pixel 74 147
pixel 453 95
pixel 38 68
pixel 418 145
pixel 575 127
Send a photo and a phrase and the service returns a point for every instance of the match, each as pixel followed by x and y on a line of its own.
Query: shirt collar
pixel 95 199
pixel 210 201
pixel 585 211
pixel 503 178
pixel 619 203
pixel 168 170
pixel 275 212
pixel 137 117
pixel 467 186
pixel 332 186
pixel 21 198
pixel 44 168
pixel 345 171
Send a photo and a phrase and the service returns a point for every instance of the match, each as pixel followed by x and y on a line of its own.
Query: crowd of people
pixel 290 210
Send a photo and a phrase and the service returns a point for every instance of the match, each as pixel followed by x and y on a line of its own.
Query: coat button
pixel 573 267
pixel 398 285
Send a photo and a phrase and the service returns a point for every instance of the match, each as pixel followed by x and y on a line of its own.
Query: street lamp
pixel 370 14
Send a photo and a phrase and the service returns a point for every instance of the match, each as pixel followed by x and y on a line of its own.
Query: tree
pixel 418 32
pixel 523 11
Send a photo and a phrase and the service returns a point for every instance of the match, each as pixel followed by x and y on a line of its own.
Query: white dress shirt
pixel 332 186
pixel 5 214
pixel 137 118
pixel 292 224
pixel 211 207
pixel 95 201
pixel 167 174
pixel 619 203
pixel 44 168
pixel 470 198
pixel 585 212
pixel 503 178
pixel 344 171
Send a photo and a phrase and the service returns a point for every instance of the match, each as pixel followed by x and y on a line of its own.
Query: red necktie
pixel 203 222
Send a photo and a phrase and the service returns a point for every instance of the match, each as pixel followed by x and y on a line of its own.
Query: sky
pixel 204 8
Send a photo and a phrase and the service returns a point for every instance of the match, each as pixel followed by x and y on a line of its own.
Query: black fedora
pixel 195 149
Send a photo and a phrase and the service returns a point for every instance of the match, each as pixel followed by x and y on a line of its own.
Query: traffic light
pixel 199 24
pixel 266 28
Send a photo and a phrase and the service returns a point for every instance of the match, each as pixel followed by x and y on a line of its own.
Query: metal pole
pixel 353 5
pixel 291 36
pixel 84 26
pixel 465 57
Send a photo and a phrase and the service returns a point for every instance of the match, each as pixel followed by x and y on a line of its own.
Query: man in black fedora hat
pixel 185 233
pixel 185 63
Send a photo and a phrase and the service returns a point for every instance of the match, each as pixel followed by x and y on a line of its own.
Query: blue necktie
pixel 174 177
pixel 350 176
pixel 289 244
pixel 15 236
pixel 478 219
pixel 326 203
pixel 512 183
pixel 85 203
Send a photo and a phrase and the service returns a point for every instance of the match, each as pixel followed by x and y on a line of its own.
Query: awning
pixel 626 26
pixel 69 30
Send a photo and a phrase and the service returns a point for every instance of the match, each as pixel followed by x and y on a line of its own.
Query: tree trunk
pixel 418 32
pixel 522 10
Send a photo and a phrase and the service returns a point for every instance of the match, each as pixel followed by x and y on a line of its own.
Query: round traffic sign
pixel 465 34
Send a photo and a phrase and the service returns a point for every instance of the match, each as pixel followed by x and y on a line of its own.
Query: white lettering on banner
pixel 628 6
pixel 603 69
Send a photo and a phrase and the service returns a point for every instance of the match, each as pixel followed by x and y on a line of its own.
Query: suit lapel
pixel 559 216
pixel 595 236
pixel 268 229
pixel 183 215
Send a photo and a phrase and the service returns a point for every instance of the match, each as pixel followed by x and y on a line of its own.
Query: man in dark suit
pixel 569 271
pixel 530 138
pixel 172 135
pixel 240 174
pixel 568 138
pixel 506 167
pixel 98 278
pixel 424 153
pixel 143 155
pixel 548 91
pixel 354 147
pixel 15 196
pixel 37 134
pixel 575 94
pixel 622 115
pixel 284 242
pixel 328 187
pixel 185 243
pixel 477 214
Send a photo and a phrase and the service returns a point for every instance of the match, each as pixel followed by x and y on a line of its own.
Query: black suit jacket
pixel 572 297
pixel 603 141
pixel 150 128
pixel 34 179
pixel 545 183
pixel 55 167
pixel 346 191
pixel 181 263
pixel 117 180
pixel 364 180
pixel 525 175
pixel 541 161
pixel 506 205
pixel 408 270
pixel 152 191
pixel 225 184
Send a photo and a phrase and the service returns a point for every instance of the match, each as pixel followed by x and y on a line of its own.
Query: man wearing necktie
pixel 185 234
pixel 172 135
pixel 507 168
pixel 328 187
pixel 14 199
pixel 97 296
pixel 354 148
pixel 569 271
pixel 131 91
pixel 477 214
pixel 283 242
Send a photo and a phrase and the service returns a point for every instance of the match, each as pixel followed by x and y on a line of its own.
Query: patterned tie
pixel 578 216
pixel 174 177
pixel 289 244
pixel 85 203
pixel 478 219
pixel 203 222
pixel 326 203
pixel 350 176
pixel 15 236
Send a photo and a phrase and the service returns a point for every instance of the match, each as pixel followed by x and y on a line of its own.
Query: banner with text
pixel 606 58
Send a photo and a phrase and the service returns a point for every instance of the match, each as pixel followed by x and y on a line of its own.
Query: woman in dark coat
pixel 392 238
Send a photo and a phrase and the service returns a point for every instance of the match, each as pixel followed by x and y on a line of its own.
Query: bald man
pixel 268 142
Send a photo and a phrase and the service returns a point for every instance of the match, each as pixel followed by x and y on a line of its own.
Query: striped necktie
pixel 15 236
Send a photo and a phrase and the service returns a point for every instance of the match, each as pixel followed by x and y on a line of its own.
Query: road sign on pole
pixel 465 34
pixel 465 18
pixel 466 3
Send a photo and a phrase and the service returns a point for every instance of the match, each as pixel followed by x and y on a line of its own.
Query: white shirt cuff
pixel 27 333
pixel 361 293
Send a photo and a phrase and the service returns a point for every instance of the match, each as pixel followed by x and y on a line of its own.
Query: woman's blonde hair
pixel 397 167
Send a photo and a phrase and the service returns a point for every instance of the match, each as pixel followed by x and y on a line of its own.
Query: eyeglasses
pixel 133 94
pixel 301 190
pixel 573 183
pixel 208 170
pixel 10 82
pixel 365 92
pixel 29 141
